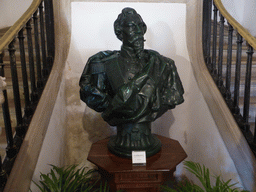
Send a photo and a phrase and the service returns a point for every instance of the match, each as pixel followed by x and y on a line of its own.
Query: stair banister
pixel 20 166
pixel 27 158
pixel 236 144
pixel 237 26
pixel 244 159
pixel 17 179
pixel 242 118
pixel 18 25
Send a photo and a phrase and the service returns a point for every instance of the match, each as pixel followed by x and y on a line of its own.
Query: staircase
pixel 32 46
pixel 9 89
pixel 252 110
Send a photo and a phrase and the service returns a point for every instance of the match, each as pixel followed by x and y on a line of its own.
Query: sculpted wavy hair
pixel 118 24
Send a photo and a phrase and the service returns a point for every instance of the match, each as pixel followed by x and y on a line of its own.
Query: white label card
pixel 138 157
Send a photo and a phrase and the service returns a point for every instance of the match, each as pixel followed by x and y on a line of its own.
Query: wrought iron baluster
pixel 7 121
pixel 3 175
pixel 254 136
pixel 214 41
pixel 229 60
pixel 238 73
pixel 28 110
pixel 34 94
pixel 220 57
pixel 49 30
pixel 15 83
pixel 205 28
pixel 37 50
pixel 247 87
pixel 20 127
pixel 207 11
pixel 5 105
pixel 42 35
pixel 209 33
pixel 10 150
pixel 44 59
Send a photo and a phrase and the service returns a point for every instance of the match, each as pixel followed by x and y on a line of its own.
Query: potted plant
pixel 203 174
pixel 70 179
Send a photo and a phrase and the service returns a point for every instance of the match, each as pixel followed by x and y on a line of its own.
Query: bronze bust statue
pixel 131 87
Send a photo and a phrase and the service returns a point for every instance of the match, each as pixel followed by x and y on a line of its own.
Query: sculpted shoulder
pixel 103 56
pixel 164 61
pixel 158 55
pixel 96 63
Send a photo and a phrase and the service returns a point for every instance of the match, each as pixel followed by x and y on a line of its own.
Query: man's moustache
pixel 136 39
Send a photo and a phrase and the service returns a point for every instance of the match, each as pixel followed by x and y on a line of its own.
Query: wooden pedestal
pixel 121 174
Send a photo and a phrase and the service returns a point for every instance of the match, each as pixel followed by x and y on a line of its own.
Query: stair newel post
pixel 43 47
pixel 37 51
pixel 207 14
pixel 229 62
pixel 220 56
pixel 237 73
pixel 49 21
pixel 34 94
pixel 28 110
pixel 247 87
pixel 214 41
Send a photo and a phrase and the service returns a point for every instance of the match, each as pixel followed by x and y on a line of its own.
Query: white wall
pixel 190 123
pixel 244 12
pixel 53 148
pixel 8 15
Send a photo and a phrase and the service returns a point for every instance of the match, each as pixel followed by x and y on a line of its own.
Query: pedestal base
pixel 121 174
pixel 124 152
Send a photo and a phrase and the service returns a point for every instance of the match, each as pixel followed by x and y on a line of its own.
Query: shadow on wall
pixel 160 37
pixel 164 43
pixel 95 126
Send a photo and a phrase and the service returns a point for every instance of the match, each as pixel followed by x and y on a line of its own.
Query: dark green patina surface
pixel 131 87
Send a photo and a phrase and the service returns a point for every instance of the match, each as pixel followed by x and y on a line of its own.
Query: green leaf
pixel 203 174
pixel 66 179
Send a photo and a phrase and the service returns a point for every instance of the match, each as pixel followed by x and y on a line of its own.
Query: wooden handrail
pixel 27 158
pixel 18 25
pixel 238 27
pixel 235 143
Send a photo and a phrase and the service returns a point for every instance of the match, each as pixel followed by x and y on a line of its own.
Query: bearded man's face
pixel 133 33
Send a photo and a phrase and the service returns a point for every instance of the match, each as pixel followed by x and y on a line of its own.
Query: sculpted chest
pixel 130 67
pixel 121 71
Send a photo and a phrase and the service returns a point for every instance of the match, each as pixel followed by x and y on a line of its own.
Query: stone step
pixel 6 57
pixel 242 88
pixel 234 47
pixel 252 116
pixel 225 41
pixel 243 68
pixel 8 76
pixel 17 48
pixel 243 56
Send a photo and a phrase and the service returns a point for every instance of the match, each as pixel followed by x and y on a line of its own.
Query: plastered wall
pixel 8 15
pixel 244 12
